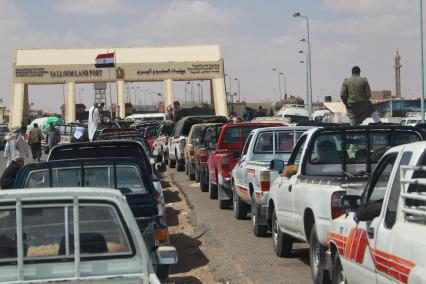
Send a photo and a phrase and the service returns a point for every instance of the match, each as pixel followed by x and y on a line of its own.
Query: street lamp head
pixel 301 61
pixel 303 39
pixel 281 73
pixel 188 82
pixel 236 79
pixel 301 51
pixel 274 69
pixel 296 14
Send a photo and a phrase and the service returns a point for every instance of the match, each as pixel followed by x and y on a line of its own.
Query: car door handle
pixel 290 187
pixel 370 232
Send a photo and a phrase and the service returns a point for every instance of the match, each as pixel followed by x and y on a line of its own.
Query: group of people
pixel 17 149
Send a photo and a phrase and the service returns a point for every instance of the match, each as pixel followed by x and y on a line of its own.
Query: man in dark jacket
pixel 355 94
pixel 9 175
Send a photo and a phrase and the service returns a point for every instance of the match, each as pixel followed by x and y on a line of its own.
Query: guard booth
pixel 148 64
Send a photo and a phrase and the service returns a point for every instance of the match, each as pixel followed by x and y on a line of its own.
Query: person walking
pixel 15 146
pixel 34 139
pixel 53 137
pixel 355 94
pixel 9 175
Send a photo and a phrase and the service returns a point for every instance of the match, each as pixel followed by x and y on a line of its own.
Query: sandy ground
pixel 193 264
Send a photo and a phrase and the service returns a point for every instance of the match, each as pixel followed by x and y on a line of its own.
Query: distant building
pixel 381 95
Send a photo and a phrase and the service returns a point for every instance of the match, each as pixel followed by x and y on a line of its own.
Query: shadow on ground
pixel 171 196
pixel 172 216
pixel 189 253
pixel 185 280
pixel 302 254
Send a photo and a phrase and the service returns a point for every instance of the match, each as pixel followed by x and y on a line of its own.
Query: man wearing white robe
pixel 93 121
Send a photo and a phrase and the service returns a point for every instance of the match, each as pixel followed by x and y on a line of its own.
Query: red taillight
pixel 203 155
pixel 335 204
pixel 265 183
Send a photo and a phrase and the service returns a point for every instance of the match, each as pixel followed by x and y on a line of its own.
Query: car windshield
pixel 237 134
pixel 124 177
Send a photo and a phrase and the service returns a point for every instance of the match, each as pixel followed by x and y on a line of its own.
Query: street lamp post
pixel 230 93
pixel 307 77
pixel 279 80
pixel 296 14
pixel 422 69
pixel 285 84
pixel 239 93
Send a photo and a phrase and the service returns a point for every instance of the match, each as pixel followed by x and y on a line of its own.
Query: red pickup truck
pixel 225 156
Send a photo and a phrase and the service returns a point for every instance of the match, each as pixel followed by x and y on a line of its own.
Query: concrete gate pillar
pixel 220 104
pixel 25 107
pixel 70 105
pixel 17 109
pixel 168 92
pixel 121 99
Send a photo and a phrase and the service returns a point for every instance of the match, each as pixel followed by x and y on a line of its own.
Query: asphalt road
pixel 235 255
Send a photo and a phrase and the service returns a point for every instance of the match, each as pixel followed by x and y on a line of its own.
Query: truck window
pixel 8 248
pixel 70 177
pixel 326 149
pixel 264 143
pixel 246 146
pixel 97 177
pixel 38 179
pixel 392 206
pixel 237 134
pixel 378 186
pixel 128 177
pixel 285 141
pixel 297 152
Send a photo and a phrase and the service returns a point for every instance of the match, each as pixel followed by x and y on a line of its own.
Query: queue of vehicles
pixel 304 183
pixel 293 181
pixel 120 159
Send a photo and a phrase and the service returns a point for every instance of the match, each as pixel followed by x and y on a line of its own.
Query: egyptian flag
pixel 105 60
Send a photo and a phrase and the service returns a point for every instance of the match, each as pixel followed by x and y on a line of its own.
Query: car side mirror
pixel 160 167
pixel 277 165
pixel 350 203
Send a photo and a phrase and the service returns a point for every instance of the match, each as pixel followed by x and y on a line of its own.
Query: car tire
pixel 172 163
pixel 223 204
pixel 204 185
pixel 191 172
pixel 186 168
pixel 197 175
pixel 317 259
pixel 338 276
pixel 180 167
pixel 283 243
pixel 212 190
pixel 240 208
pixel 163 272
pixel 258 230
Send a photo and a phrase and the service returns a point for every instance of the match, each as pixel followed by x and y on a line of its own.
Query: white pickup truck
pixel 381 239
pixel 325 162
pixel 73 235
pixel 252 176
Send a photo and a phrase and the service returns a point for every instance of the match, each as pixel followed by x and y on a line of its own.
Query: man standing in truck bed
pixel 356 95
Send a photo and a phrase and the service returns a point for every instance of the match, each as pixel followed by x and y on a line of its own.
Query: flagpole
pixel 109 86
pixel 116 88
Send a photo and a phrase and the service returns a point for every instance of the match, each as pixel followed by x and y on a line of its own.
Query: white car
pixel 252 176
pixel 325 163
pixel 382 237
pixel 72 235
pixel 142 117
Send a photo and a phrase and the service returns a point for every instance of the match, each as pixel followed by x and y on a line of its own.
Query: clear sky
pixel 255 37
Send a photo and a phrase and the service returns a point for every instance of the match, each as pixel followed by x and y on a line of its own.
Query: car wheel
pixel 212 190
pixel 223 204
pixel 191 172
pixel 338 273
pixel 258 230
pixel 180 167
pixel 172 163
pixel 197 175
pixel 283 243
pixel 204 185
pixel 163 271
pixel 240 208
pixel 317 259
